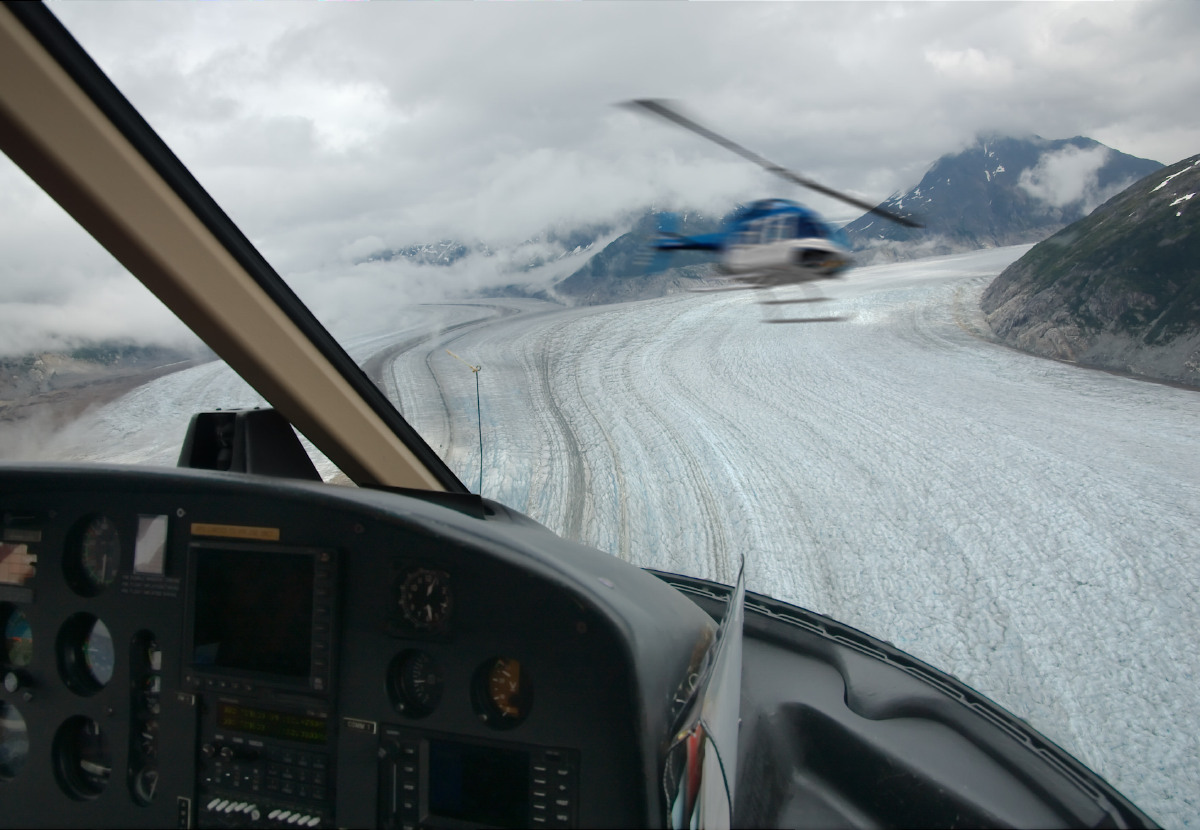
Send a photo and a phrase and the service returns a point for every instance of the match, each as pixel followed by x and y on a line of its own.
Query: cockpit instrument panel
pixel 199 649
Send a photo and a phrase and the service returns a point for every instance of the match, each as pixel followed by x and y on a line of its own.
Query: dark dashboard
pixel 188 648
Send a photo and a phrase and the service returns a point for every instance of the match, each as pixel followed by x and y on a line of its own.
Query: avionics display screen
pixel 281 725
pixel 479 784
pixel 253 611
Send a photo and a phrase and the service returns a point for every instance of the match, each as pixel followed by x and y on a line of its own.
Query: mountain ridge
pixel 1117 289
pixel 999 191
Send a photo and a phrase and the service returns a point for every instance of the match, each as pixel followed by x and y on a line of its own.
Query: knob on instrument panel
pixel 16 679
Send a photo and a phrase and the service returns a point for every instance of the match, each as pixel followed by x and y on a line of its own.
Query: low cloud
pixel 969 65
pixel 1069 176
pixel 326 143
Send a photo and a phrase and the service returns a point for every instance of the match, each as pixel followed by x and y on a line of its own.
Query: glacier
pixel 1026 525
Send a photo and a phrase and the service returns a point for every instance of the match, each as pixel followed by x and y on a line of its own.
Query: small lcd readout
pixel 279 725
pixel 479 784
pixel 254 612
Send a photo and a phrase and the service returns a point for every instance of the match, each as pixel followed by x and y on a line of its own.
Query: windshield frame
pixel 71 57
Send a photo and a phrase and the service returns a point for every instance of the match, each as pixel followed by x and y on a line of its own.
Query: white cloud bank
pixel 323 129
pixel 1070 175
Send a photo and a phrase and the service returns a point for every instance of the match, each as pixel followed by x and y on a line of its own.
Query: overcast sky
pixel 328 131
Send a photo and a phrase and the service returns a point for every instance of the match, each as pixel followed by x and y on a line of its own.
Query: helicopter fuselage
pixel 771 242
pixel 810 258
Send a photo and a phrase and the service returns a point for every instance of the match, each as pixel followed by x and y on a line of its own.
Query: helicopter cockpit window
pixel 806 228
pixel 753 233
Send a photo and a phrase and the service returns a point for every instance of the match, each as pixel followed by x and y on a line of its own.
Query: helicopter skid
pixel 796 300
pixel 834 319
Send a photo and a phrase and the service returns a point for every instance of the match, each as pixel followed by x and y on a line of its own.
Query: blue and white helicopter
pixel 772 242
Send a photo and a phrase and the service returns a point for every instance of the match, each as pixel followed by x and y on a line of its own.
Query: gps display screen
pixel 479 784
pixel 253 612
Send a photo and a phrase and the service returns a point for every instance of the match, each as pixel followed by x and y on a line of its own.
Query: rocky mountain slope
pixel 41 393
pixel 1119 289
pixel 1001 191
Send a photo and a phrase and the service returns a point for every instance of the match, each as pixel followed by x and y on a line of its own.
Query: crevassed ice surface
pixel 1026 525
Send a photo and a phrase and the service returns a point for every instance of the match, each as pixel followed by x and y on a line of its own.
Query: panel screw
pixel 358 528
pixel 180 513
pixel 581 627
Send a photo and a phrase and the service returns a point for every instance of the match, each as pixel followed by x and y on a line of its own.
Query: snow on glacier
pixel 1026 525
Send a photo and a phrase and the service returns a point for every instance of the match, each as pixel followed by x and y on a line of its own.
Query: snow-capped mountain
pixel 1000 191
pixel 445 252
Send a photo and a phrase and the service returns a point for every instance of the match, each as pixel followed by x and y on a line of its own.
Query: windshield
pixel 453 195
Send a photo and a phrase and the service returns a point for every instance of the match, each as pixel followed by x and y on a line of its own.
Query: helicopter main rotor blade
pixel 662 110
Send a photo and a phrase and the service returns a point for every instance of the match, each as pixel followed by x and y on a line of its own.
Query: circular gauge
pixel 93 556
pixel 414 683
pixel 86 657
pixel 82 760
pixel 425 598
pixel 14 741
pixel 144 784
pixel 17 650
pixel 502 692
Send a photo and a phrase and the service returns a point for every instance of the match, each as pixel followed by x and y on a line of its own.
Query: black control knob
pixel 208 750
pixel 227 753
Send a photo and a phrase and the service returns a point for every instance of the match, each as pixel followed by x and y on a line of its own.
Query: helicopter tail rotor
pixel 652 258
